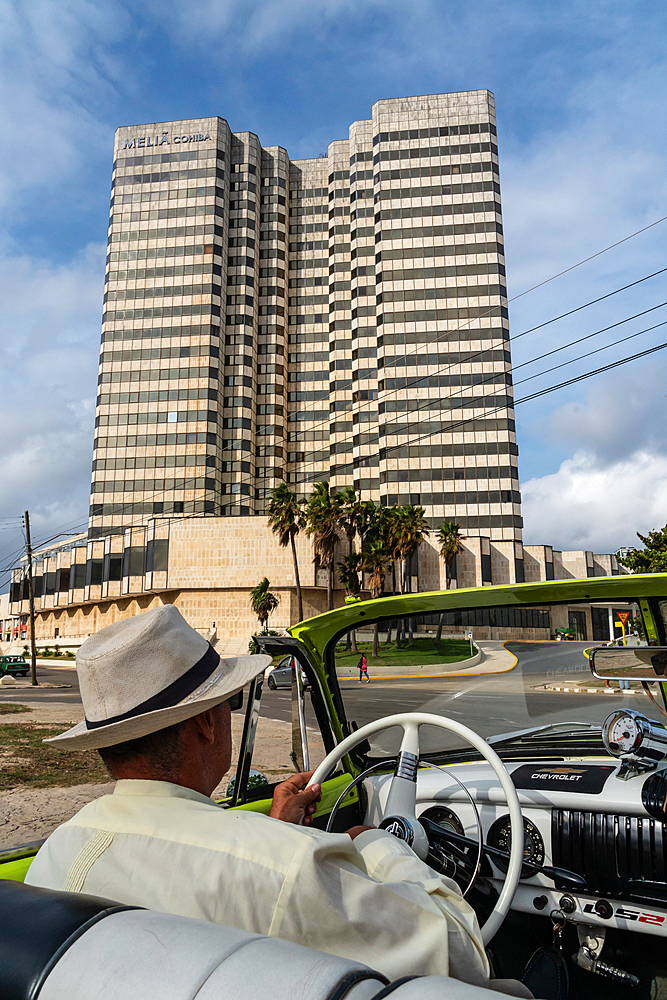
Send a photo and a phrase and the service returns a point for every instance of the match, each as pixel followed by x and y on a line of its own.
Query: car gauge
pixel 500 837
pixel 446 818
pixel 640 743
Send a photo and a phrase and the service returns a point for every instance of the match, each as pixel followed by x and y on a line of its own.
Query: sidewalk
pixel 492 658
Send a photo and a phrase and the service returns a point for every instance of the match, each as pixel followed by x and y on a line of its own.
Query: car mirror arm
pixel 565 879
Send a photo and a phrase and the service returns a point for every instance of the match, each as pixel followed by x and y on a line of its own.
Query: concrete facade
pixel 207 566
pixel 340 318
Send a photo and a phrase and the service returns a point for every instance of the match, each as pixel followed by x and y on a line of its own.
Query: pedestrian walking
pixel 363 669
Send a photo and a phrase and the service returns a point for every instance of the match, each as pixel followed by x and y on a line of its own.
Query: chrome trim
pixel 299 755
pixel 248 739
pixel 407 766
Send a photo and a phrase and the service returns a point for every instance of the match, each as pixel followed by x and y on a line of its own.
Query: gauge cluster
pixel 590 817
pixel 500 836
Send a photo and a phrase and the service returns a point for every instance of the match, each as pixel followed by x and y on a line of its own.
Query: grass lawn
pixel 12 707
pixel 26 761
pixel 421 653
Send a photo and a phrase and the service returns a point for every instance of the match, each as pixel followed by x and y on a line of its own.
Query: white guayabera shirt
pixel 171 849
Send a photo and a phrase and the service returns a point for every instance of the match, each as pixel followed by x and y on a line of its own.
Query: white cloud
pixel 250 26
pixel 585 506
pixel 58 72
pixel 48 368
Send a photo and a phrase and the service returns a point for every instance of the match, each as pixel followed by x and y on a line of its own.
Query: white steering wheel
pixel 402 796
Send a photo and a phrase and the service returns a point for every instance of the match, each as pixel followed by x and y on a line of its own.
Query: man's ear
pixel 206 724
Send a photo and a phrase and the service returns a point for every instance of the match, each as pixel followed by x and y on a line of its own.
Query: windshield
pixel 496 670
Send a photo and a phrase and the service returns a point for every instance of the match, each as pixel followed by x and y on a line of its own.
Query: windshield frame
pixel 321 634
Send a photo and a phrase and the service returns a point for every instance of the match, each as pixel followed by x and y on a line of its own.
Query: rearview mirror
pixel 629 663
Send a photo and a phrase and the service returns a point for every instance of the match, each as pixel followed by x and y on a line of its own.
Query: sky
pixel 579 89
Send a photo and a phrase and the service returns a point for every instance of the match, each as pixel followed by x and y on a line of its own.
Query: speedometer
pixel 500 837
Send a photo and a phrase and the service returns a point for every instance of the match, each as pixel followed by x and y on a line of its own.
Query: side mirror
pixel 629 663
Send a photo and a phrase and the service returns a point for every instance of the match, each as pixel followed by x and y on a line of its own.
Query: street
pixel 491 704
pixel 51 696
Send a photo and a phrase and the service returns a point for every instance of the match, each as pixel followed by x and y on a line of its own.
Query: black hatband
pixel 177 691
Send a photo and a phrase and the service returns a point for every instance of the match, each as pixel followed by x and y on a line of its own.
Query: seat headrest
pixel 36 927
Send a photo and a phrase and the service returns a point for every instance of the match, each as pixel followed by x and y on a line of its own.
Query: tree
pixel 286 518
pixel 409 530
pixel 369 524
pixel 348 573
pixel 375 559
pixel 322 526
pixel 652 558
pixel 450 541
pixel 263 602
pixel 349 515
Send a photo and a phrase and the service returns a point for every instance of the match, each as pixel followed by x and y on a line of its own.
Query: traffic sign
pixel 623 615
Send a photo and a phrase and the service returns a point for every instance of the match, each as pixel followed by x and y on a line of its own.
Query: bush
pixel 46 651
pixel 56 650
pixel 69 654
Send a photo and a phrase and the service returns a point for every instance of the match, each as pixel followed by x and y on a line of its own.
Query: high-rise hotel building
pixel 340 318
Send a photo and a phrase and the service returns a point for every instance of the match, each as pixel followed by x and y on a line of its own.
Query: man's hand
pixel 293 802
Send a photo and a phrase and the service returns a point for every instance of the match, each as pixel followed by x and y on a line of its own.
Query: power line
pixel 524 399
pixel 452 426
pixel 580 378
pixel 152 495
pixel 592 257
pixel 589 354
pixel 399 360
pixel 467 327
pixel 580 340
pixel 489 413
pixel 486 381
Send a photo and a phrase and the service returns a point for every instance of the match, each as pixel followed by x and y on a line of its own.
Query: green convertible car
pixel 532 774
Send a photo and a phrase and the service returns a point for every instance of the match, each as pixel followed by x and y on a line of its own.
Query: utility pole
pixel 31 599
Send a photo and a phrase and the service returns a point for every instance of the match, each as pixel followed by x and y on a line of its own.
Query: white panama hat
pixel 148 672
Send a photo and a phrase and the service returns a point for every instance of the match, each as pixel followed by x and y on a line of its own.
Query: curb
pixel 27 686
pixel 451 673
pixel 580 690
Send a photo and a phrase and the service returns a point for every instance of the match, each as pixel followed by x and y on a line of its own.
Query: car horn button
pixel 399 827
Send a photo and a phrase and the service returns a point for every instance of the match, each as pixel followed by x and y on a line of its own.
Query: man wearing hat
pixel 157 701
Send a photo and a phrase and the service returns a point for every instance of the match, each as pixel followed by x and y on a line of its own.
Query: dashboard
pixel 579 815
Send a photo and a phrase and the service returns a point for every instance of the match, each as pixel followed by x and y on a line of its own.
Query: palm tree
pixel 374 561
pixel 450 541
pixel 349 514
pixel 263 602
pixel 369 521
pixel 409 530
pixel 322 525
pixel 286 519
pixel 348 574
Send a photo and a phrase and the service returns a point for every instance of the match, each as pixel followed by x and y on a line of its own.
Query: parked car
pixel 545 809
pixel 566 634
pixel 15 666
pixel 281 676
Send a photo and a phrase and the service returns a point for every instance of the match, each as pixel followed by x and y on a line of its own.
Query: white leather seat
pixel 157 956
